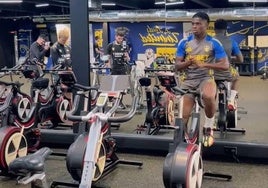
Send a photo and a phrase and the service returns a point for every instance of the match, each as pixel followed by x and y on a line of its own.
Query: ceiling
pixel 61 7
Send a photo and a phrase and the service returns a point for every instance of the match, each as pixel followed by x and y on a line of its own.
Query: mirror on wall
pixel 247 31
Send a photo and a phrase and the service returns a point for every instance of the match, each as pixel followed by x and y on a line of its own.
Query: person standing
pixel 61 52
pixel 198 55
pixel 118 52
pixel 234 54
pixel 39 49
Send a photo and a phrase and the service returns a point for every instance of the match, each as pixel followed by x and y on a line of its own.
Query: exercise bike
pixel 30 169
pixel 183 165
pixel 227 118
pixel 92 155
pixel 16 139
pixel 160 104
pixel 49 101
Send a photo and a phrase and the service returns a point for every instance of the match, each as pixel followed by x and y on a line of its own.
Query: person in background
pixel 61 52
pixel 118 52
pixel 97 49
pixel 198 55
pixel 234 54
pixel 39 49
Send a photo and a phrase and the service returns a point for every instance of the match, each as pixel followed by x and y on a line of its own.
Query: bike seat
pixel 144 81
pixel 32 163
pixel 220 84
pixel 40 83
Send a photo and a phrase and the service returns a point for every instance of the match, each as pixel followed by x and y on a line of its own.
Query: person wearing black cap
pixel 234 54
pixel 198 55
pixel 39 49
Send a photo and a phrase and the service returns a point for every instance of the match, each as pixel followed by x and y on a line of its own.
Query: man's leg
pixel 208 90
pixel 188 103
pixel 234 89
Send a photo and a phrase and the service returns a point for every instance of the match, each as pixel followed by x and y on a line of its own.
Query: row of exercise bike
pixel 19 132
pixel 160 102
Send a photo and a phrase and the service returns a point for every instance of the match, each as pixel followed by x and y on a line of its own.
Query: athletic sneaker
pixel 208 138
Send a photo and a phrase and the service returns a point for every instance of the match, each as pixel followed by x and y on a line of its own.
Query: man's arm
pixel 182 64
pixel 35 52
pixel 236 53
pixel 54 55
pixel 220 64
pixel 108 52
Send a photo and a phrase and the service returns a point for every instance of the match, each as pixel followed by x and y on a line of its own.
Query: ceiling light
pixel 249 1
pixel 250 12
pixel 41 5
pixel 10 1
pixel 108 4
pixel 176 2
pixel 160 3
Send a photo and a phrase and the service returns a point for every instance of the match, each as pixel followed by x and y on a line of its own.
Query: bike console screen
pixel 67 77
pixel 167 79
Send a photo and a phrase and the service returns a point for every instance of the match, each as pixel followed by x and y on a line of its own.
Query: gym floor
pixel 246 174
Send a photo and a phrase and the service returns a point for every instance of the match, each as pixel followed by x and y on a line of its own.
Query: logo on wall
pixel 159 36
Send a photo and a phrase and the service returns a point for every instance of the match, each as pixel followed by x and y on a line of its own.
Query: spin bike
pixel 16 138
pixel 227 118
pixel 92 155
pixel 183 165
pixel 50 100
pixel 160 103
pixel 31 168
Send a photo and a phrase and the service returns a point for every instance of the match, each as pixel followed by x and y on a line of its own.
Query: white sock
pixel 233 95
pixel 209 122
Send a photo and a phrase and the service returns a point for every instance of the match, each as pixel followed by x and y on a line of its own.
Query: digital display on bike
pixel 102 99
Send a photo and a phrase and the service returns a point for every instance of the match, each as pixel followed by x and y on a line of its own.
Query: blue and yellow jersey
pixel 207 50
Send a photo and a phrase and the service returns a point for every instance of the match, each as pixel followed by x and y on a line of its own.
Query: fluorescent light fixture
pixel 176 14
pixel 108 4
pixel 250 12
pixel 175 3
pixel 248 1
pixel 109 15
pixel 168 3
pixel 10 1
pixel 160 3
pixel 41 5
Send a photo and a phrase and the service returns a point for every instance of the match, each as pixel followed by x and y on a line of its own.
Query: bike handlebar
pixel 157 70
pixel 18 84
pixel 104 117
pixel 85 88
pixel 15 68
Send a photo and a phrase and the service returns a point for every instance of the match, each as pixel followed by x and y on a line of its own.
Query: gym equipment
pixel 20 114
pixel 49 102
pixel 92 154
pixel 31 168
pixel 16 137
pixel 227 118
pixel 183 166
pixel 159 115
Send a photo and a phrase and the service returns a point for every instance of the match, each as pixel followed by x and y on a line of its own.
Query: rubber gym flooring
pixel 246 174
